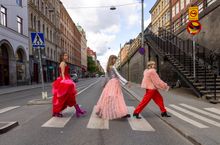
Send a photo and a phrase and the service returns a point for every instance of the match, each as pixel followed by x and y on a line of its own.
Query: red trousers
pixel 150 94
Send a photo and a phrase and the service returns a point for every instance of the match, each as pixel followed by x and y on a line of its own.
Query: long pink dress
pixel 111 104
pixel 64 92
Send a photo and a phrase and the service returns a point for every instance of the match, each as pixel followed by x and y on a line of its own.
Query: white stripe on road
pixel 214 110
pixel 138 124
pixel 201 111
pixel 87 87
pixel 8 109
pixel 96 122
pixel 197 116
pixel 58 122
pixel 195 123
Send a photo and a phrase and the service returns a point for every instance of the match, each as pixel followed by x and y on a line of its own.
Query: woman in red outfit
pixel 152 82
pixel 64 90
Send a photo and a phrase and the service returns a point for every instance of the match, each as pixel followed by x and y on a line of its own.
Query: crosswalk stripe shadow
pixel 97 123
pixel 138 124
pixel 56 122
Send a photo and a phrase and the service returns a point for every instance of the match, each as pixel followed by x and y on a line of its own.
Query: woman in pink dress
pixel 64 90
pixel 111 104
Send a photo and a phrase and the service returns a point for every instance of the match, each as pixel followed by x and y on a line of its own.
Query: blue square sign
pixel 37 39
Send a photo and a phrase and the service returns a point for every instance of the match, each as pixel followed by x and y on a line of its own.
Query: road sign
pixel 141 51
pixel 194 27
pixel 193 13
pixel 37 39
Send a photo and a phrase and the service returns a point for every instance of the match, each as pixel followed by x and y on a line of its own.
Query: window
pixel 42 7
pixel 19 23
pixel 43 28
pixel 173 11
pixel 3 16
pixel 31 20
pixel 38 23
pixel 34 22
pixel 19 2
pixel 187 2
pixel 47 33
pixel 177 8
pixel 182 4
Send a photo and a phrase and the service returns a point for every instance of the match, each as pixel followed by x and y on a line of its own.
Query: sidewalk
pixel 192 117
pixel 8 90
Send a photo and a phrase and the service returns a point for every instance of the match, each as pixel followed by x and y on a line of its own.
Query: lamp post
pixel 142 31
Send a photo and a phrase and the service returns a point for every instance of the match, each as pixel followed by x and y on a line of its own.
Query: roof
pixel 157 2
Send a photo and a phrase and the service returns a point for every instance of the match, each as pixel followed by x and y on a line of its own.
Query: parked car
pixel 74 77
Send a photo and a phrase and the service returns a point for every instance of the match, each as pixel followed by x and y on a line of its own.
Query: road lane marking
pixel 193 122
pixel 60 122
pixel 214 110
pixel 138 124
pixel 201 111
pixel 96 122
pixel 196 116
pixel 88 87
pixel 8 109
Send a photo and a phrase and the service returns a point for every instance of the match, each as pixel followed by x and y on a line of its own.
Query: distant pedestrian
pixel 111 104
pixel 64 90
pixel 152 82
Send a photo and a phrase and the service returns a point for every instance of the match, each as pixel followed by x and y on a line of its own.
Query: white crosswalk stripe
pixel 138 124
pixel 8 109
pixel 196 116
pixel 57 122
pixel 97 123
pixel 201 111
pixel 213 110
pixel 193 122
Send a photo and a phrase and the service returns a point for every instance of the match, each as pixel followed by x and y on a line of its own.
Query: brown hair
pixel 62 56
pixel 110 62
pixel 150 63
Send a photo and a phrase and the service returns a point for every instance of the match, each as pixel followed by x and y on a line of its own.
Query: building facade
pixel 124 52
pixel 83 50
pixel 92 53
pixel 14 49
pixel 70 40
pixel 160 15
pixel 44 17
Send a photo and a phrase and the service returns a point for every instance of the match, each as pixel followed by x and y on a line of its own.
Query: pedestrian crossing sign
pixel 37 39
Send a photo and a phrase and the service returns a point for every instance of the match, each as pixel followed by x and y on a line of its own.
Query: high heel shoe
pixel 164 114
pixel 137 116
pixel 57 115
pixel 127 116
pixel 79 111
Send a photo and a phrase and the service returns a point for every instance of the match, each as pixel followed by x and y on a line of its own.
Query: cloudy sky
pixel 106 29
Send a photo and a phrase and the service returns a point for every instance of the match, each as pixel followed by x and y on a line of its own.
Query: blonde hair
pixel 110 62
pixel 150 63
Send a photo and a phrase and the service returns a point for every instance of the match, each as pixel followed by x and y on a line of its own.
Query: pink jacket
pixel 152 80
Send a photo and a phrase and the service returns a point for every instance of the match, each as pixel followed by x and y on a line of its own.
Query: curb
pixel 21 90
pixel 8 126
pixel 191 139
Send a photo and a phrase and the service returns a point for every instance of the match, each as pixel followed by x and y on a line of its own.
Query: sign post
pixel 194 27
pixel 38 43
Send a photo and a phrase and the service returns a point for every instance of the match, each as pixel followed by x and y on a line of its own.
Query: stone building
pixel 14 49
pixel 44 17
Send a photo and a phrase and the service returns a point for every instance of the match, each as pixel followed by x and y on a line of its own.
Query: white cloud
pixel 102 25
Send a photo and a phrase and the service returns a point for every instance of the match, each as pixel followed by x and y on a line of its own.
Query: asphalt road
pixel 75 131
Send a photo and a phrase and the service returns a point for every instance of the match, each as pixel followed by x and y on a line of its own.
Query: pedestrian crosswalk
pixel 200 118
pixel 8 109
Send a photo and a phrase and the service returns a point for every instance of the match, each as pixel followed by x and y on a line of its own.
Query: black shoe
pixel 137 116
pixel 127 116
pixel 164 114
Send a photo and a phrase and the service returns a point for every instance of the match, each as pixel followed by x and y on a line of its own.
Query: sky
pixel 106 29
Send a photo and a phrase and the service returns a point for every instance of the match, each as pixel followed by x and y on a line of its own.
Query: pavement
pixel 38 127
pixel 194 118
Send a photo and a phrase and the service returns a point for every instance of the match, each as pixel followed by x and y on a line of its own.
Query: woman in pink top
pixel 152 82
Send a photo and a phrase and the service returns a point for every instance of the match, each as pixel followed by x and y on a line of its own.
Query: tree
pixel 92 68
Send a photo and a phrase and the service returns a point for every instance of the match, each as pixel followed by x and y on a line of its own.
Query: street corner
pixel 40 101
pixel 6 126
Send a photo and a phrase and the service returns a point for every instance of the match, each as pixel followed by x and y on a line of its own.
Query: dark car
pixel 74 77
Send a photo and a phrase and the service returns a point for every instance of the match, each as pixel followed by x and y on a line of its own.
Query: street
pixel 37 127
